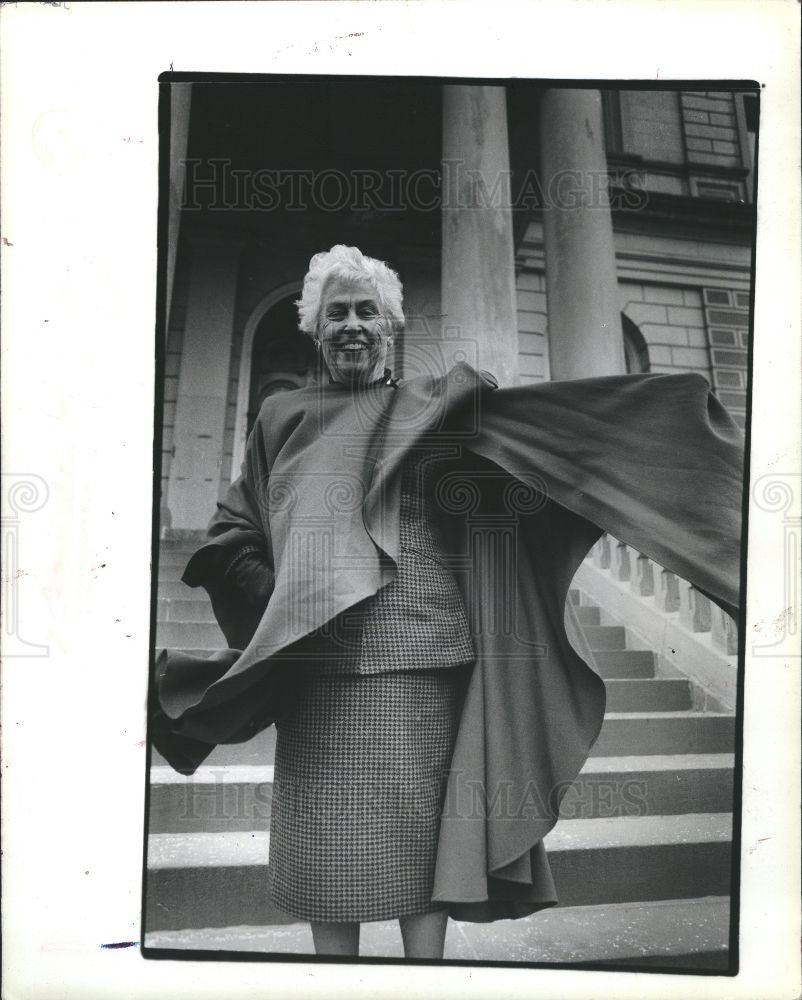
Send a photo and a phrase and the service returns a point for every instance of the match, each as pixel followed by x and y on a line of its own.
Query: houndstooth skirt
pixel 360 774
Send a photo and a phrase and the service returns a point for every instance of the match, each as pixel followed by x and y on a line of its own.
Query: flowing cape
pixel 539 472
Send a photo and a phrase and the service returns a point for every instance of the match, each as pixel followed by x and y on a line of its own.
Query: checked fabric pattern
pixel 363 751
pixel 361 764
pixel 418 621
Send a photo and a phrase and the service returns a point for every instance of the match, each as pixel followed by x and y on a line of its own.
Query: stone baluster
pixel 667 595
pixel 601 552
pixel 642 581
pixel 694 608
pixel 623 562
pixel 724 631
pixel 671 593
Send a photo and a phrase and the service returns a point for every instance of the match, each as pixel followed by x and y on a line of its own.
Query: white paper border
pixel 79 189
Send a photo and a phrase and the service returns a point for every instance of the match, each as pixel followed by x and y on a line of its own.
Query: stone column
pixel 584 321
pixel 478 264
pixel 180 105
pixel 203 384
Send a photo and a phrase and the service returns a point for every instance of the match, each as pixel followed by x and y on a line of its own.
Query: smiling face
pixel 354 336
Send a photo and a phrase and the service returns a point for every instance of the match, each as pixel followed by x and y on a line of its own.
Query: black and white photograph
pixel 401 499
pixel 454 395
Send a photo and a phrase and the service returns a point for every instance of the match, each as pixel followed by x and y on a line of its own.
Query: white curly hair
pixel 349 262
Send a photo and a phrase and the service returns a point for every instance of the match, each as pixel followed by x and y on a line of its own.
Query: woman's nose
pixel 351 321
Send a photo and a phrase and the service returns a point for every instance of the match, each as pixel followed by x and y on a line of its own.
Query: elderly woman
pixel 391 571
pixel 362 755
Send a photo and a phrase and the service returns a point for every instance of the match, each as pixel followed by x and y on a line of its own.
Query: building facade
pixel 539 233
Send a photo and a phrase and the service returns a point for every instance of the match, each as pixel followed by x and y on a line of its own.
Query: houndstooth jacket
pixel 417 621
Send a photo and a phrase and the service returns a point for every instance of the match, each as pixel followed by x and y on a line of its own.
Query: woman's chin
pixel 355 372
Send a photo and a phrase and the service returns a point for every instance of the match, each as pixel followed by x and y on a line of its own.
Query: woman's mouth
pixel 352 347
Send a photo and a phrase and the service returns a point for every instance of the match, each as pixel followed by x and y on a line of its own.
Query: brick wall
pixel 691 141
pixel 672 322
pixel 727 317
pixel 716 151
pixel 711 131
pixel 690 329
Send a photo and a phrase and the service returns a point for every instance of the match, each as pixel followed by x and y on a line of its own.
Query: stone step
pixel 588 615
pixel 655 695
pixel 175 590
pixel 605 637
pixel 183 536
pixel 623 695
pixel 678 933
pixel 250 848
pixel 170 572
pixel 651 785
pixel 200 635
pixel 177 556
pixel 258 751
pixel 217 879
pixel 204 653
pixel 216 799
pixel 229 798
pixel 628 734
pixel 622 663
pixel 623 734
pixel 178 609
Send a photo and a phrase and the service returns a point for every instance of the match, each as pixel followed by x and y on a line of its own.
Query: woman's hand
pixel 250 573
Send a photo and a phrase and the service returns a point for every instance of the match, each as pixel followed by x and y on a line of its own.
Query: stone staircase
pixel 641 856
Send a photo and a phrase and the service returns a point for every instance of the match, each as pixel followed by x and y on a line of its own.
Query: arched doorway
pixel 636 350
pixel 275 357
pixel 282 358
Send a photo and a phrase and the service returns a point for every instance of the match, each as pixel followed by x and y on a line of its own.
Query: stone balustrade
pixel 671 593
